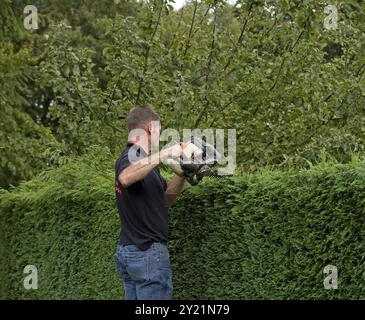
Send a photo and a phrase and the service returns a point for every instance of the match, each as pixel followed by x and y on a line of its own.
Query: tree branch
pixel 208 72
pixel 243 29
pixel 177 29
pixel 290 51
pixel 146 56
pixel 191 28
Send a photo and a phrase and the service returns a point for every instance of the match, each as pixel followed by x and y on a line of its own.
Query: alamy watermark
pixel 214 137
pixel 330 282
pixel 31 20
pixel 330 21
pixel 31 280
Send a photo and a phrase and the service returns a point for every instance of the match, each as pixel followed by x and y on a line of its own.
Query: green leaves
pixel 267 68
pixel 261 236
pixel 23 146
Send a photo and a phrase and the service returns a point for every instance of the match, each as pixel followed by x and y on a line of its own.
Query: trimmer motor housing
pixel 198 160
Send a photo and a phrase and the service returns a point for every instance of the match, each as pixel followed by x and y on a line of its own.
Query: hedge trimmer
pixel 198 160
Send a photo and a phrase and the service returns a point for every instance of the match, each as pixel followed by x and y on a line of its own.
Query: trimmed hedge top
pixel 263 236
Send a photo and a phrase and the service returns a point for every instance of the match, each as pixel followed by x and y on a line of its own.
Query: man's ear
pixel 149 127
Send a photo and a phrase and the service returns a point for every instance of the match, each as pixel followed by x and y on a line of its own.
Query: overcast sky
pixel 179 3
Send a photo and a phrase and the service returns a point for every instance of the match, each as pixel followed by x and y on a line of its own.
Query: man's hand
pixel 174 151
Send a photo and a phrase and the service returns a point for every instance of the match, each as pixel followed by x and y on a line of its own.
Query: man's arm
pixel 138 170
pixel 174 188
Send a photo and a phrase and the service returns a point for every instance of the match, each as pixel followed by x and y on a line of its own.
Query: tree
pixel 269 69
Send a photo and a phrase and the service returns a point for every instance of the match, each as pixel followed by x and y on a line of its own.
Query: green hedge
pixel 264 236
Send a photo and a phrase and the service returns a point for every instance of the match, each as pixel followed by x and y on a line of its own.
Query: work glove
pixel 196 161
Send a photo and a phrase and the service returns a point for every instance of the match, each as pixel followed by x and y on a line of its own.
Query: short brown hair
pixel 139 116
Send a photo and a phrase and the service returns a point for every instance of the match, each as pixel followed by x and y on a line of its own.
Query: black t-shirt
pixel 142 209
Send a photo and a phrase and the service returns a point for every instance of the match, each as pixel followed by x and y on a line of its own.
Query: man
pixel 143 196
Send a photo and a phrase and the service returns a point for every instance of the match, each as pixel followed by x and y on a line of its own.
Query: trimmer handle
pixel 193 179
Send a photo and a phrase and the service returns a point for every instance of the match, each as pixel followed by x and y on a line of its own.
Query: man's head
pixel 140 116
pixel 144 124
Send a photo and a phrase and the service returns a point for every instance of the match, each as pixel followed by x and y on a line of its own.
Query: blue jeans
pixel 146 274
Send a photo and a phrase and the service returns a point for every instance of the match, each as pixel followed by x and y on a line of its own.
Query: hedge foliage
pixel 262 236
